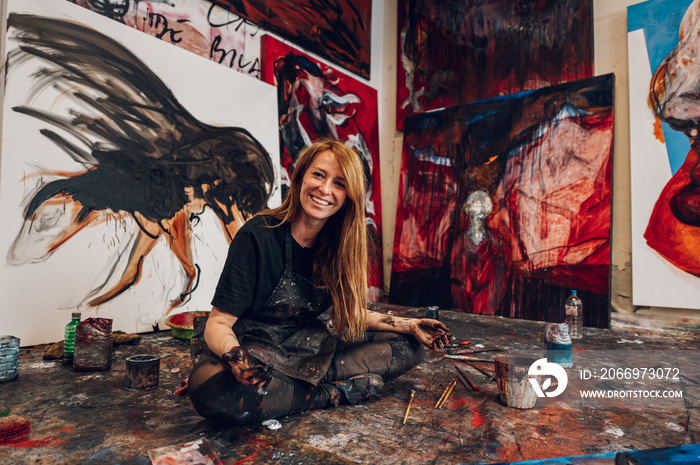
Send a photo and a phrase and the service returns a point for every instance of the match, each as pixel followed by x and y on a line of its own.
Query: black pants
pixel 217 395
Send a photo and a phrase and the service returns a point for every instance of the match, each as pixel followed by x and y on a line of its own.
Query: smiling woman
pixel 271 354
pixel 323 190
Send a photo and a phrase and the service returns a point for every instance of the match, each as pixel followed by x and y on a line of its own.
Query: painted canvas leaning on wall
pixel 504 204
pixel 663 64
pixel 314 100
pixel 502 47
pixel 122 182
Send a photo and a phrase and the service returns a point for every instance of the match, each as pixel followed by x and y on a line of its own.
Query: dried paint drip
pixel 514 386
pixel 93 345
pixel 142 372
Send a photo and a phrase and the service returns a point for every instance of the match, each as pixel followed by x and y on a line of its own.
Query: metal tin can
pixel 432 312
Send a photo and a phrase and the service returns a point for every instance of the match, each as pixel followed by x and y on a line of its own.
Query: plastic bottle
pixel 574 315
pixel 69 338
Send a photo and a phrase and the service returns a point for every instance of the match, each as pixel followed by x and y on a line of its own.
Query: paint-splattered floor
pixel 87 417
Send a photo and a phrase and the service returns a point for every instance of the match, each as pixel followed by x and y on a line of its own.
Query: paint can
pixel 558 343
pixel 142 372
pixel 93 345
pixel 9 358
pixel 512 379
pixel 432 312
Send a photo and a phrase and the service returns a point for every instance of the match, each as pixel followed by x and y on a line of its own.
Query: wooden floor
pixel 87 417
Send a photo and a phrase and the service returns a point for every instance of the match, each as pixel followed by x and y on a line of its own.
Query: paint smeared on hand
pixel 432 333
pixel 245 371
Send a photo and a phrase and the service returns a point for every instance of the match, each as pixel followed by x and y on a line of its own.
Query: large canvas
pixel 127 166
pixel 504 204
pixel 453 52
pixel 664 69
pixel 198 26
pixel 316 100
pixel 338 30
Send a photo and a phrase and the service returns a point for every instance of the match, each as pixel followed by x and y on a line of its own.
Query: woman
pixel 271 355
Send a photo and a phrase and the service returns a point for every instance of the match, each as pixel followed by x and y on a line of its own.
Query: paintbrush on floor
pixel 469 351
pixel 490 375
pixel 431 383
pixel 444 393
pixel 469 359
pixel 447 395
pixel 466 378
pixel 408 409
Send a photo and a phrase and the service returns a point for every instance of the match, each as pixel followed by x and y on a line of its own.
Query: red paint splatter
pixel 259 444
pixel 247 459
pixel 478 420
pixel 63 429
pixel 48 441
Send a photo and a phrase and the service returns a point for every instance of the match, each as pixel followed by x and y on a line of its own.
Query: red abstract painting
pixel 455 52
pixel 338 30
pixel 504 204
pixel 315 100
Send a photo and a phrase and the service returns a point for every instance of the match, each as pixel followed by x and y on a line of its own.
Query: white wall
pixel 610 46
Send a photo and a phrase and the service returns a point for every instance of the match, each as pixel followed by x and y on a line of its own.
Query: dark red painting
pixel 455 51
pixel 504 204
pixel 314 100
pixel 338 30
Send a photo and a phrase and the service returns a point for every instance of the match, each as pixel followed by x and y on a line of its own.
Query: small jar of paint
pixel 93 345
pixel 558 344
pixel 432 312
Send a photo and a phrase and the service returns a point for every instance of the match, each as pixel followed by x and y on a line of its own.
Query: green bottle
pixel 69 338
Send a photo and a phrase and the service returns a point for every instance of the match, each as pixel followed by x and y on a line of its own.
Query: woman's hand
pixel 244 370
pixel 431 333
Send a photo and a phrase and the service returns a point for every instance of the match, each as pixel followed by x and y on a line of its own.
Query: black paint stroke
pixel 145 155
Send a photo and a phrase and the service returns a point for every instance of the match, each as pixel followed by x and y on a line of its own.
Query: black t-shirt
pixel 255 263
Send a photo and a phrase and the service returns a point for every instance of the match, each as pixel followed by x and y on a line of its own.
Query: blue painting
pixel 660 21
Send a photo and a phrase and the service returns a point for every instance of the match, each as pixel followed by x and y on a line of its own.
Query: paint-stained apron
pixel 286 332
